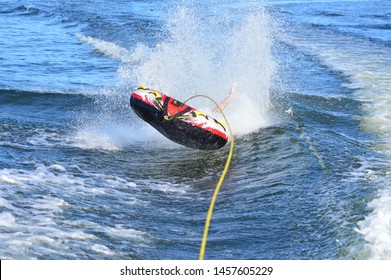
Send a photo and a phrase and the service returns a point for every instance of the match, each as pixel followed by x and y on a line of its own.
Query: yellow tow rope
pixel 220 182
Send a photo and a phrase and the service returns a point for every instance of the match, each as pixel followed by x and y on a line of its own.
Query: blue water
pixel 82 177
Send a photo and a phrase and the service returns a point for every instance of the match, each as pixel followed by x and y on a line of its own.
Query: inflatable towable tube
pixel 177 121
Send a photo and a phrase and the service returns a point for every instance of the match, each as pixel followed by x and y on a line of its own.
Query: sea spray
pixel 205 56
pixel 196 55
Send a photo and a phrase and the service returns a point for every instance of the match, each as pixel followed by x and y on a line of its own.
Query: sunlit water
pixel 82 177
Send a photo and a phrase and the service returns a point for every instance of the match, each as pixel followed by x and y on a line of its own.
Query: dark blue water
pixel 82 177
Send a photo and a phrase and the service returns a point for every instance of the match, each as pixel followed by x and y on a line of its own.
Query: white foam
pixel 7 219
pixel 114 137
pixel 122 233
pixel 95 138
pixel 107 48
pixel 41 240
pixel 21 243
pixel 43 137
pixel 131 184
pixel 376 227
pixel 38 222
pixel 368 67
pixel 58 167
pixel 167 187
pixel 9 180
pixel 53 204
pixel 76 235
pixel 101 249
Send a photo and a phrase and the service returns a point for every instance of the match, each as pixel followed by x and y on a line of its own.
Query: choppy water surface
pixel 81 177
